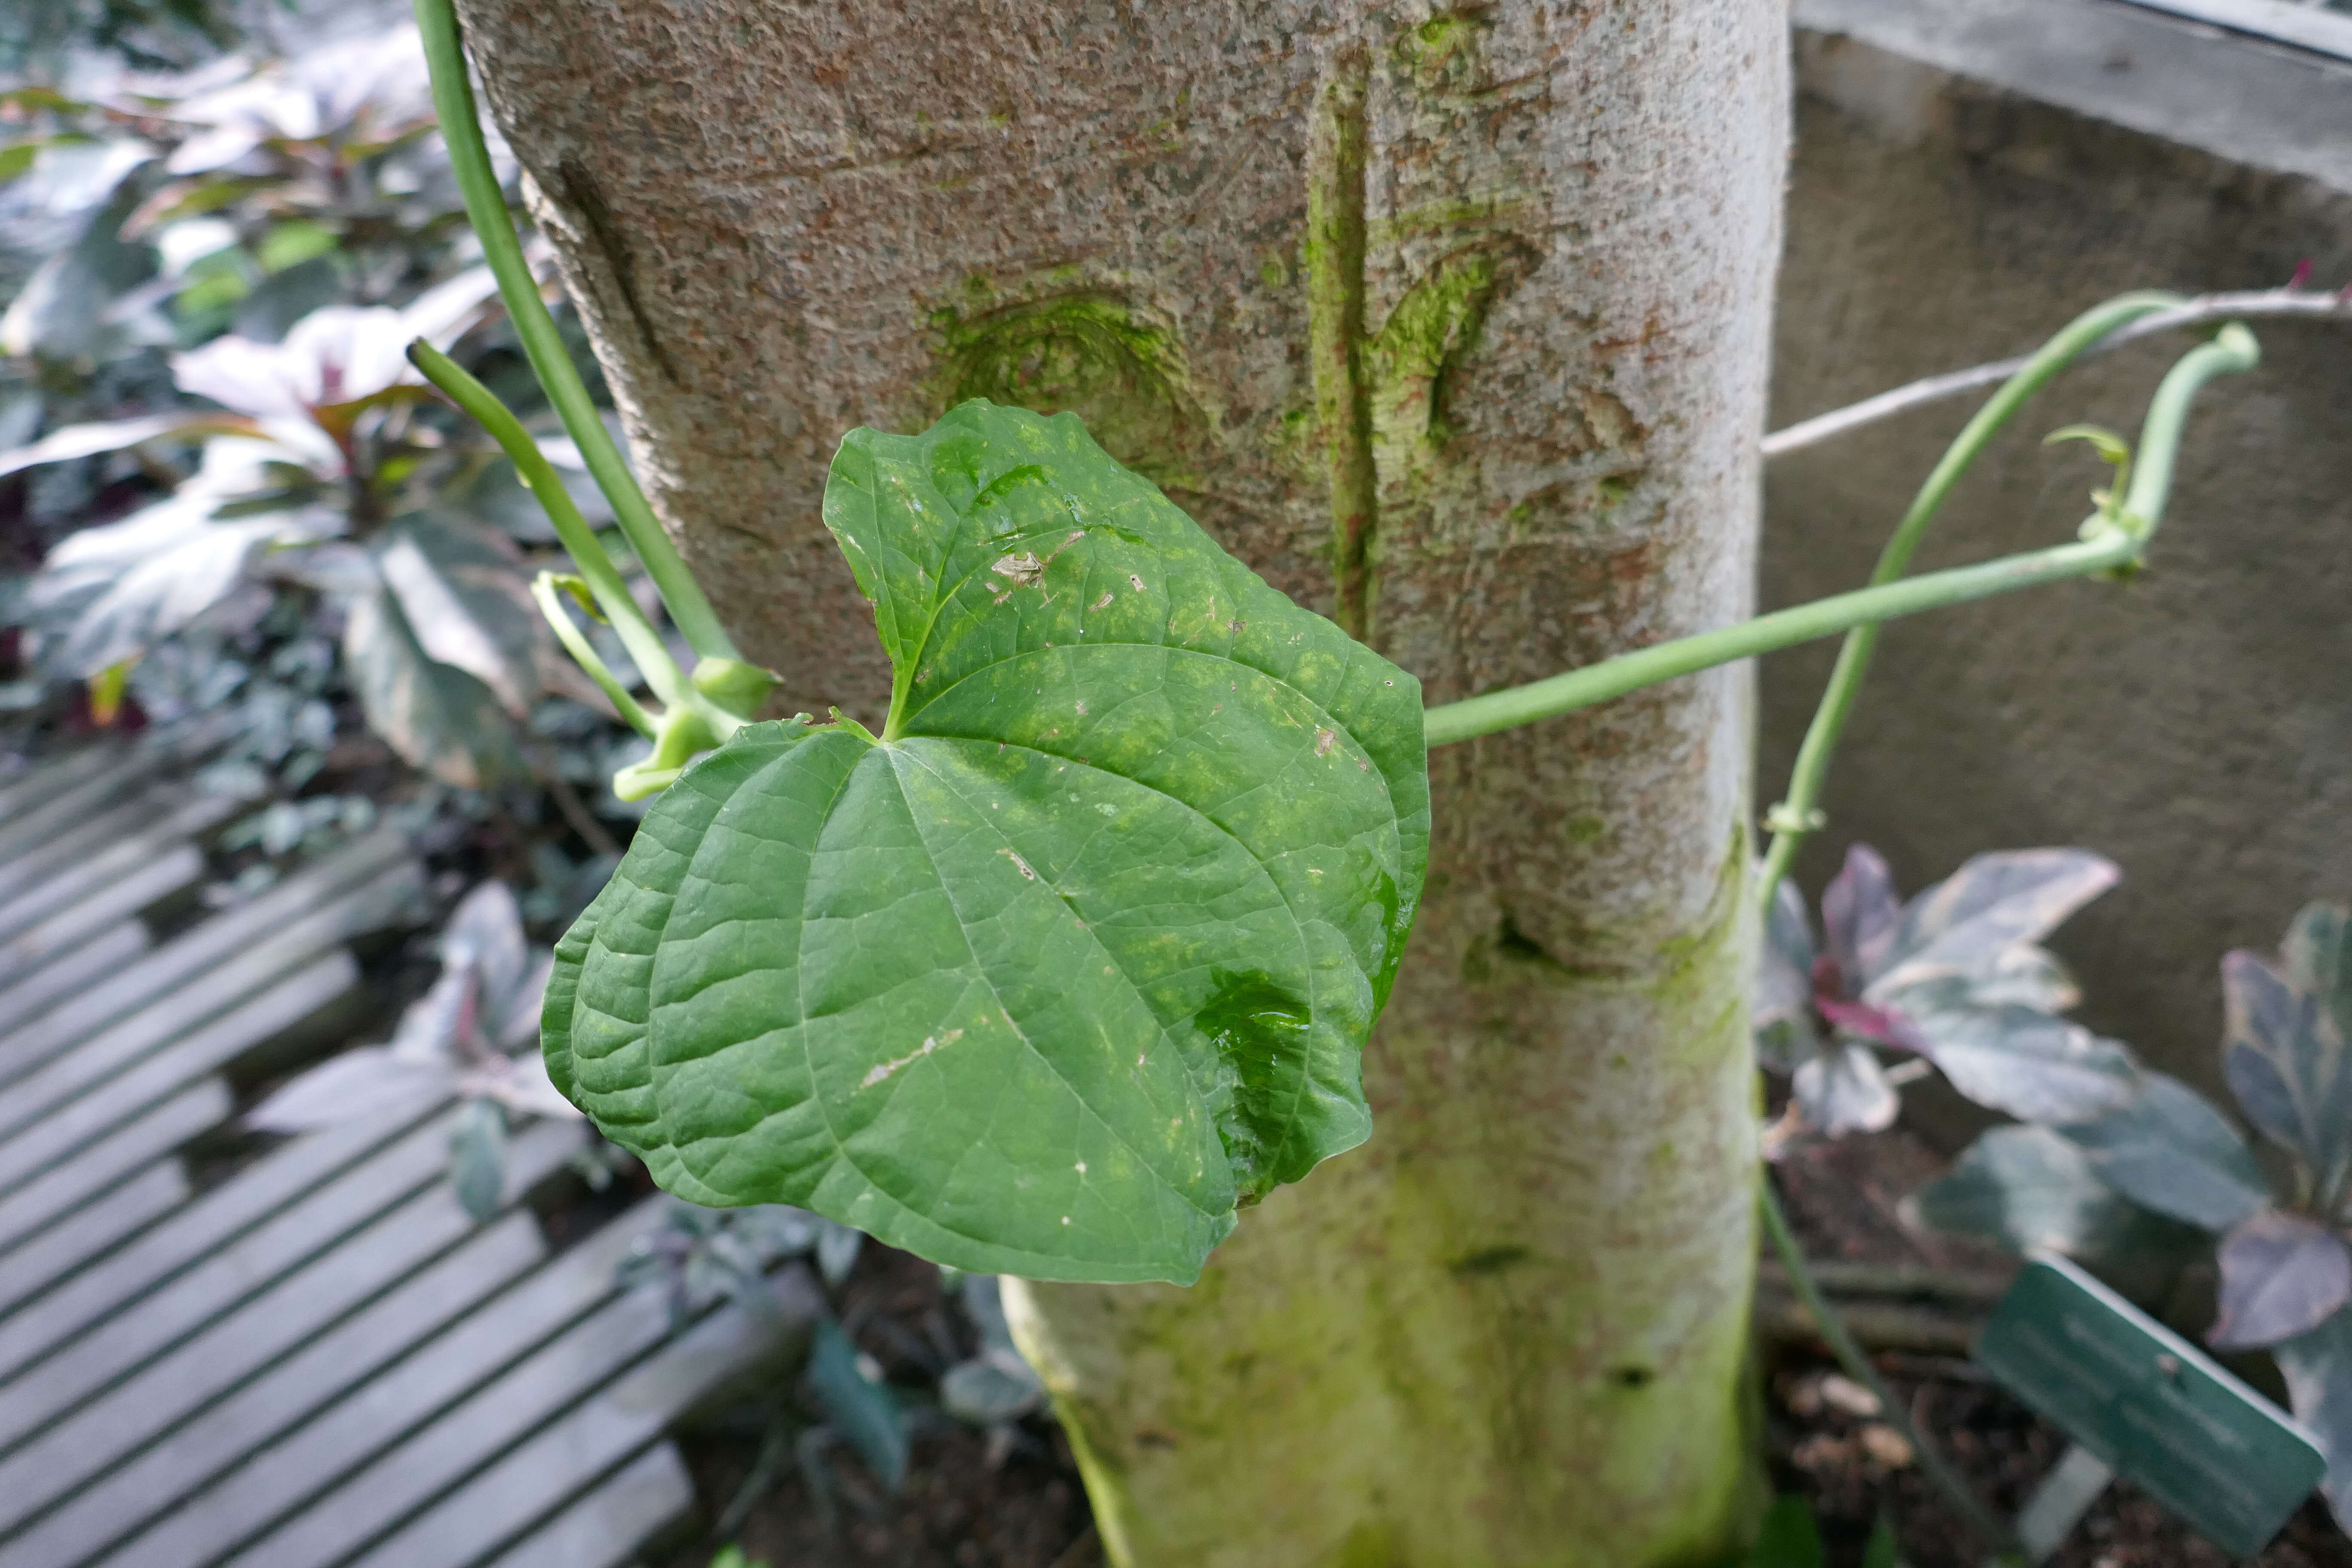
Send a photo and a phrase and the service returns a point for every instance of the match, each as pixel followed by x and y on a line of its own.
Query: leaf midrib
pixel 1290 1117
pixel 963 928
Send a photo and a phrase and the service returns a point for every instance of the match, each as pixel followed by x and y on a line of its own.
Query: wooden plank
pixel 100 907
pixel 65 806
pixel 219 1353
pixel 26 1044
pixel 53 1132
pixel 99 959
pixel 274 1481
pixel 167 810
pixel 102 1354
pixel 39 1088
pixel 73 867
pixel 406 1243
pixel 42 1202
pixel 131 1492
pixel 604 1529
pixel 207 1226
pixel 46 779
pixel 516 1491
pixel 2299 23
pixel 97 1227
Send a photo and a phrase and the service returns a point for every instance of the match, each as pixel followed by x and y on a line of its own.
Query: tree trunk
pixel 1454 325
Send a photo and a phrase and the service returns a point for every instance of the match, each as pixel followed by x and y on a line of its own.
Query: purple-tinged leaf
pixel 1784 983
pixel 2028 1064
pixel 2317 1366
pixel 465 596
pixel 519 1083
pixel 1881 1024
pixel 1782 1016
pixel 2318 961
pixel 443 310
pixel 332 358
pixel 2171 1152
pixel 430 1028
pixel 2285 1061
pixel 1859 913
pixel 486 928
pixel 1993 901
pixel 1843 1088
pixel 2281 1275
pixel 518 1014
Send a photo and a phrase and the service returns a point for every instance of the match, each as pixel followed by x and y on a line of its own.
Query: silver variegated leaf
pixel 2284 1059
pixel 2281 1275
pixel 1841 1088
pixel 466 595
pixel 2170 1150
pixel 435 715
pixel 2317 1366
pixel 1992 902
pixel 2027 1063
pixel 2026 1189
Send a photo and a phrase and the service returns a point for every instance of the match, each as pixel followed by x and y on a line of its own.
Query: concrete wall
pixel 1968 175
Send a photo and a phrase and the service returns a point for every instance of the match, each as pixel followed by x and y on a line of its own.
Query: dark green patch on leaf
pixel 1082 955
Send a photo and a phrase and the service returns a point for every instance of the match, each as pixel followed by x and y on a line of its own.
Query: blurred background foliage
pixel 229 510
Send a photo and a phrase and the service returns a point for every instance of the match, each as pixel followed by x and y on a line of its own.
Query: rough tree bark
pixel 1454 324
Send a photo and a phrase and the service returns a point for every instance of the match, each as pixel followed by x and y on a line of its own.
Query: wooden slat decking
pixel 323 1360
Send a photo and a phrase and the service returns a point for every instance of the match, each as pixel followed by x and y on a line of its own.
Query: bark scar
pixel 1337 151
pixel 579 192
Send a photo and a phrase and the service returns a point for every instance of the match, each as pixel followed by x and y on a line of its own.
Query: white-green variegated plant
pixel 306 480
pixel 2169 1164
pixel 467 1040
pixel 1956 978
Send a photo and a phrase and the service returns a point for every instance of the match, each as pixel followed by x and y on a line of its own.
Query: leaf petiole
pixel 679 734
pixel 645 644
pixel 548 589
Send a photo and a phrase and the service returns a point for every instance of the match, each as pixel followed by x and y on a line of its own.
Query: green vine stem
pixel 548 590
pixel 637 633
pixel 2131 521
pixel 1474 716
pixel 2292 302
pixel 1796 818
pixel 1857 612
pixel 699 712
pixel 469 157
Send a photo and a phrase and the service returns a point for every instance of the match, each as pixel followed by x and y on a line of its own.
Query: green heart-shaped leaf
pixel 1083 952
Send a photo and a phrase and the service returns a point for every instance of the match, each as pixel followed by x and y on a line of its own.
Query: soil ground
pixel 968 1504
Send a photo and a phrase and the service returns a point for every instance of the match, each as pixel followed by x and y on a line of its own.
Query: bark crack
pixel 580 191
pixel 1337 151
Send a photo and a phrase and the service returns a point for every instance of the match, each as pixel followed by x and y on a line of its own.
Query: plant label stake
pixel 2142 1402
